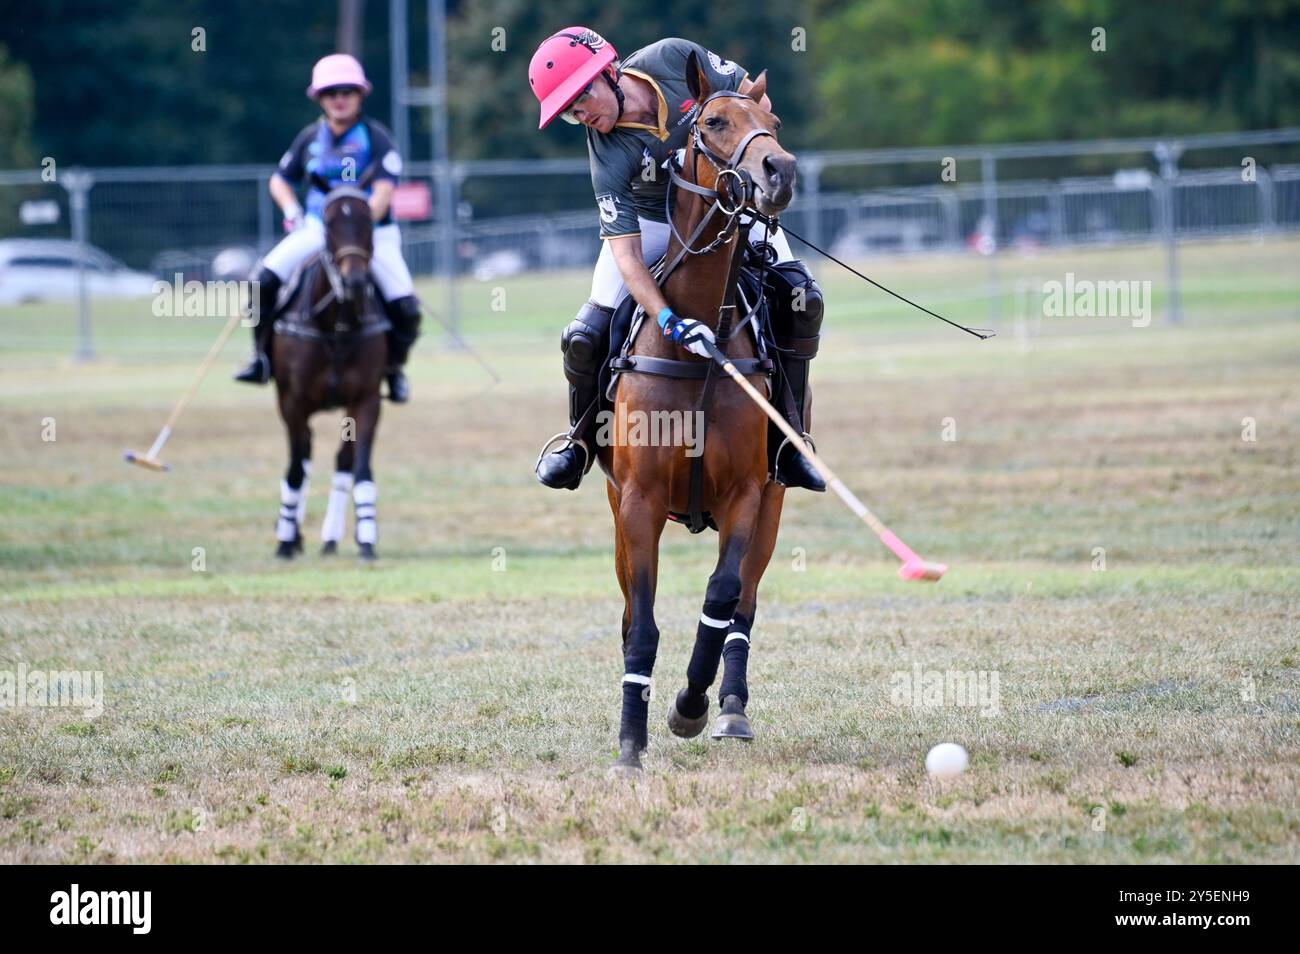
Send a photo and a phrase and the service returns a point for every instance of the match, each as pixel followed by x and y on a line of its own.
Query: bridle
pixel 733 191
pixel 329 258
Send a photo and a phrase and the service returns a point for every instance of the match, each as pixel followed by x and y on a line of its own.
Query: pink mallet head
pixel 919 569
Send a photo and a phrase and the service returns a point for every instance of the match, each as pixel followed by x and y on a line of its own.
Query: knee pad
pixel 584 342
pixel 268 289
pixel 404 313
pixel 797 305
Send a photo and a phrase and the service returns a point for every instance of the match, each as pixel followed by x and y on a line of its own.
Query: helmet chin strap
pixel 618 93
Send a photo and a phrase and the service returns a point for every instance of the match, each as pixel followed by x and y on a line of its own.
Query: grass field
pixel 459 701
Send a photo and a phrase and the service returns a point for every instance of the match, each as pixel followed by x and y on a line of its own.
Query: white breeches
pixel 607 288
pixel 387 268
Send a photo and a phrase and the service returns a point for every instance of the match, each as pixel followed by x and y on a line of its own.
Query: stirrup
pixel 568 440
pixel 807 438
pixel 776 459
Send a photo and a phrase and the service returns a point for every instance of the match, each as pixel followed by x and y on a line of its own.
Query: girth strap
pixel 297 329
pixel 689 370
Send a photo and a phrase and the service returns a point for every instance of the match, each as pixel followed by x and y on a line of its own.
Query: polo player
pixel 638 113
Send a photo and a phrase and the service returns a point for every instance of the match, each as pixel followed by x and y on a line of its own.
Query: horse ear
pixel 759 89
pixel 319 182
pixel 697 81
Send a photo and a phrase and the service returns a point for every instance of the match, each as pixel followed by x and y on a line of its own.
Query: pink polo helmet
pixel 337 69
pixel 563 65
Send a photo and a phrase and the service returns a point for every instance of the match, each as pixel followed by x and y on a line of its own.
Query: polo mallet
pixel 463 344
pixel 150 460
pixel 913 568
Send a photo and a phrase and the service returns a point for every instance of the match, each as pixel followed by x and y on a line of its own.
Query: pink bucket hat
pixel 337 69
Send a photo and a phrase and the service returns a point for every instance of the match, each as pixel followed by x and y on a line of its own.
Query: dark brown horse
pixel 647 483
pixel 330 351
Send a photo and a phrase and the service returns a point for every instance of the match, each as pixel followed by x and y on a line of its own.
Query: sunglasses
pixel 578 100
pixel 338 91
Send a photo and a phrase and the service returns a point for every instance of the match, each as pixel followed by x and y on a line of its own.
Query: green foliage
pixel 100 87
pixel 912 72
pixel 15 112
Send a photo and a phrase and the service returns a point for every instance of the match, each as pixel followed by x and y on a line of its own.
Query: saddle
pixel 294 309
pixel 751 307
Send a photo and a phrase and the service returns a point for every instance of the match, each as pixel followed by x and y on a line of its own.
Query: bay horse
pixel 330 351
pixel 645 484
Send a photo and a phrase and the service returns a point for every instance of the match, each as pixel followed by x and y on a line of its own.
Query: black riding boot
pixel 404 315
pixel 258 370
pixel 585 344
pixel 796 314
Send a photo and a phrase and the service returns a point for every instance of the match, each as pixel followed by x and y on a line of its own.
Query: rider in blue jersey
pixel 339 147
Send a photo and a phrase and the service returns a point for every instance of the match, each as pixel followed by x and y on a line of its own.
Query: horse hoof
pixel 287 550
pixel 682 726
pixel 628 764
pixel 368 554
pixel 732 723
pixel 329 548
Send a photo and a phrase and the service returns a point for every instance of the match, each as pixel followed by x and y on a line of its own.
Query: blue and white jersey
pixel 342 160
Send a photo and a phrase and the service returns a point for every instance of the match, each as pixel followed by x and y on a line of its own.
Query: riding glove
pixel 688 333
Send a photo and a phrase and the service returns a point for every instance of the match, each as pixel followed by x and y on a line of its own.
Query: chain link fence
pixel 514 217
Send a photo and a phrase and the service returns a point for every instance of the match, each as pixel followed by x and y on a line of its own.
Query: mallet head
pixel 148 463
pixel 922 570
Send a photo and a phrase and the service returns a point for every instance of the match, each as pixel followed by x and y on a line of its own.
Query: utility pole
pixel 442 166
pixel 347 37
pixel 434 96
pixel 1167 155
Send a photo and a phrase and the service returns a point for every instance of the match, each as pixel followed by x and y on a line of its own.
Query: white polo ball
pixel 946 760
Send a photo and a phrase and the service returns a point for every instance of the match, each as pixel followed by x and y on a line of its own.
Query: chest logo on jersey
pixel 608 205
pixel 686 105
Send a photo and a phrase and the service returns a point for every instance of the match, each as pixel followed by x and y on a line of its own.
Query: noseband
pixel 734 188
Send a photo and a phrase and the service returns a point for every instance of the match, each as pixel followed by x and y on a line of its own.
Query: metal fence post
pixel 78 184
pixel 1264 193
pixel 1167 155
pixel 811 173
pixel 265 218
pixel 989 174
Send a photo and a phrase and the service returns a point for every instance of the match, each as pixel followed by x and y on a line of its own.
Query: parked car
pixel 46 270
pixel 885 236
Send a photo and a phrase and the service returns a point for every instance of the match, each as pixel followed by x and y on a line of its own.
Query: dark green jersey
pixel 627 164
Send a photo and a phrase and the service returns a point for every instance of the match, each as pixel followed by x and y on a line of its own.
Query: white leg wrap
pixel 363 497
pixel 302 493
pixel 286 528
pixel 337 511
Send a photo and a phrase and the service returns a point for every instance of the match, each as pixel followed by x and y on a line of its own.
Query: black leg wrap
pixel 707 654
pixel 636 709
pixel 735 652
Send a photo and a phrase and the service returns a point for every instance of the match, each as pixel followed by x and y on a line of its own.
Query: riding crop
pixel 150 460
pixel 913 568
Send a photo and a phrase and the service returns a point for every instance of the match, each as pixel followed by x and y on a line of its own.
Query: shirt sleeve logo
pixel 608 205
pixel 720 65
pixel 392 163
